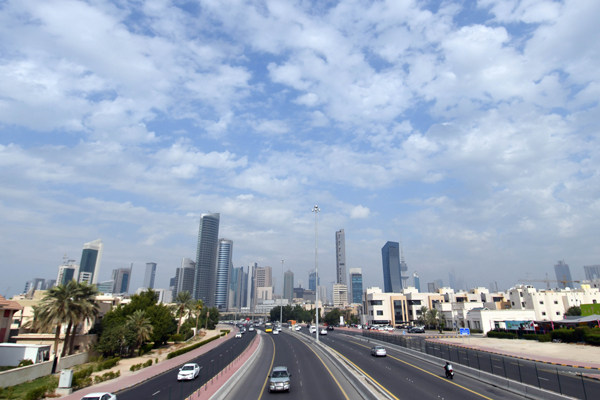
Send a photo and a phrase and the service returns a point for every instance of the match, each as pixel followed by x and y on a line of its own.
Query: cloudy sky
pixel 468 129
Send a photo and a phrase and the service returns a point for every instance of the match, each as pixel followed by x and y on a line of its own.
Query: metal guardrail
pixel 544 376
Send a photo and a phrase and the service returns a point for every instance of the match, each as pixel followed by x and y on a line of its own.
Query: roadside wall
pixel 24 374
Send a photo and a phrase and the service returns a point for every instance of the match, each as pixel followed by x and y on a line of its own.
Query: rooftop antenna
pixel 401 250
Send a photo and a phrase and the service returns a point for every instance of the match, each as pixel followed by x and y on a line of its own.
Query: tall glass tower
pixel 206 259
pixel 356 288
pixel 224 266
pixel 392 275
pixel 312 281
pixel 340 257
pixel 563 275
pixel 149 276
pixel 90 262
pixel 288 286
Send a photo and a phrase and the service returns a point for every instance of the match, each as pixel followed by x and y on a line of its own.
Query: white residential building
pixel 340 295
pixel 486 320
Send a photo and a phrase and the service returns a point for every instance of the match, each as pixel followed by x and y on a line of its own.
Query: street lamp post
pixel 316 210
pixel 282 291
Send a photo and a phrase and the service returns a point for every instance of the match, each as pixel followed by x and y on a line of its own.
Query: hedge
pixel 539 337
pixel 190 348
pixel 108 364
pixel 501 335
pixel 37 393
pixel 82 378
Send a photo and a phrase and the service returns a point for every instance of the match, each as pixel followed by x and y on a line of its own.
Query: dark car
pixel 329 327
pixel 417 329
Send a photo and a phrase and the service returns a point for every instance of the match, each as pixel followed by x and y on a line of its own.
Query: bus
pixel 268 327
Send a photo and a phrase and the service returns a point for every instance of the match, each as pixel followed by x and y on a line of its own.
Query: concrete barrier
pixel 72 360
pixel 20 375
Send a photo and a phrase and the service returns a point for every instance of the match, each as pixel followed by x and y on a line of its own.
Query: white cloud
pixel 360 212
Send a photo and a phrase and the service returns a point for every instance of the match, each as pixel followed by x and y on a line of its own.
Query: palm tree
pixel 422 316
pixel 141 324
pixel 197 309
pixel 87 307
pixel 55 309
pixel 183 304
pixel 432 317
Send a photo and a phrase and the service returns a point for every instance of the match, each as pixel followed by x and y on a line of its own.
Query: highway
pixel 166 386
pixel 313 376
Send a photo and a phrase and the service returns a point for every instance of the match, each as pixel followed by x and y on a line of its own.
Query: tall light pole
pixel 282 290
pixel 316 210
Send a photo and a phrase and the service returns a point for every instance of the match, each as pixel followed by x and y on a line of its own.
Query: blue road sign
pixel 465 331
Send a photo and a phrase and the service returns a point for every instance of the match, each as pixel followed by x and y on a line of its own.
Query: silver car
pixel 378 351
pixel 279 380
pixel 99 396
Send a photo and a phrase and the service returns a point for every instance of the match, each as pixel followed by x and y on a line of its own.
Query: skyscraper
pixel 238 283
pixel 452 279
pixel 340 258
pixel 224 266
pixel 206 259
pixel 90 262
pixel 417 283
pixel 392 275
pixel 122 278
pixel 263 284
pixel 312 281
pixel 403 268
pixel 67 272
pixel 288 286
pixel 356 286
pixel 563 275
pixel 184 277
pixel 592 272
pixel 149 276
pixel 340 295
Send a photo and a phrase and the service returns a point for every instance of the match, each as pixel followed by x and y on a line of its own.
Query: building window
pixel 541 302
pixel 557 313
pixel 594 301
pixel 379 312
pixel 521 294
pixel 522 304
pixel 543 312
pixel 555 302
pixel 513 303
pixel 376 302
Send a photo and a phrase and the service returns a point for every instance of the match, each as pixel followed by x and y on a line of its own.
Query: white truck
pixel 11 354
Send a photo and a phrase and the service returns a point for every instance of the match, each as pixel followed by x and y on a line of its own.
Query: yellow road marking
pixel 430 373
pixel 270 368
pixel 330 373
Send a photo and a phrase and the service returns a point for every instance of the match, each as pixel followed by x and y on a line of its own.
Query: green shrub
pixel 111 362
pixel 546 337
pixel 146 348
pixel 530 336
pixel 25 362
pixel 82 378
pixel 176 338
pixel 36 393
pixel 135 367
pixel 190 348
pixel 566 335
pixel 148 363
pixel 593 339
pixel 501 335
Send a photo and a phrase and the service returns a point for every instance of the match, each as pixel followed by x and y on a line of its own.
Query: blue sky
pixel 467 128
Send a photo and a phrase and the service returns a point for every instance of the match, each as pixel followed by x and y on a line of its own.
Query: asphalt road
pixel 405 377
pixel 313 376
pixel 166 386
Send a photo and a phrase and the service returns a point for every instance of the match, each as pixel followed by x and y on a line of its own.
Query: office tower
pixel 592 272
pixel 439 283
pixel 493 287
pixel 149 276
pixel 263 284
pixel 340 257
pixel 563 275
pixel 403 268
pixel 206 259
pixel 67 272
pixel 106 287
pixel 452 280
pixel 237 288
pixel 184 277
pixel 312 281
pixel 224 266
pixel 91 257
pixel 392 275
pixel 122 278
pixel 288 286
pixel 322 294
pixel 49 283
pixel 340 295
pixel 356 288
pixel 416 282
pixel 432 287
pixel 250 286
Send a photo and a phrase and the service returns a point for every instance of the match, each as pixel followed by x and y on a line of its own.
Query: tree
pixel 183 304
pixel 422 316
pixel 141 326
pixel 332 317
pixel 432 317
pixel 197 310
pixel 573 311
pixel 87 308
pixel 115 339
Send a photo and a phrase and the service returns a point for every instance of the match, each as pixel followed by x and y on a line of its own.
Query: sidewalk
pixel 134 378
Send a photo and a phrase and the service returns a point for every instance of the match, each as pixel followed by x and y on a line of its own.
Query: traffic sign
pixel 465 331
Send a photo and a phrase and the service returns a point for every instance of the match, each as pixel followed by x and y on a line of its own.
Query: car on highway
pixel 323 331
pixel 188 372
pixel 417 329
pixel 330 327
pixel 275 332
pixel 279 379
pixel 238 335
pixel 378 351
pixel 312 329
pixel 251 329
pixel 389 328
pixel 298 327
pixel 99 396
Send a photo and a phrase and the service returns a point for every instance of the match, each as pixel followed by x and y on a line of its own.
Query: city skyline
pixel 466 128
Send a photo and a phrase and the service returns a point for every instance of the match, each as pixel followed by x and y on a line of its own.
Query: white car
pixel 312 329
pixel 389 328
pixel 251 329
pixel 298 327
pixel 238 335
pixel 188 372
pixel 358 326
pixel 323 331
pixel 275 331
pixel 378 351
pixel 99 396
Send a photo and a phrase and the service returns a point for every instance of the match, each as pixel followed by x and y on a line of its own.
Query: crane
pixel 564 281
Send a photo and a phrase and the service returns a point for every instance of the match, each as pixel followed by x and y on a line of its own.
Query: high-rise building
pixel 563 275
pixel 392 274
pixel 312 281
pixel 592 272
pixel 184 277
pixel 340 295
pixel 238 284
pixel 206 259
pixel 340 258
pixel 493 287
pixel 91 257
pixel 452 280
pixel 263 284
pixel 288 286
pixel 416 282
pixel 224 266
pixel 122 278
pixel 322 294
pixel 67 272
pixel 106 287
pixel 432 287
pixel 356 286
pixel 149 276
pixel 403 268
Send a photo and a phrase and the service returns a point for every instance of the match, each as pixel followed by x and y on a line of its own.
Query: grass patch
pixel 20 391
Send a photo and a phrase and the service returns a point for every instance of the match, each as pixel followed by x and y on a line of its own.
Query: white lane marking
pixel 156 393
pixel 543 378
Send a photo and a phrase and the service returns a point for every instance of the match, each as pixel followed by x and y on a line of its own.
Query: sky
pixel 468 130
